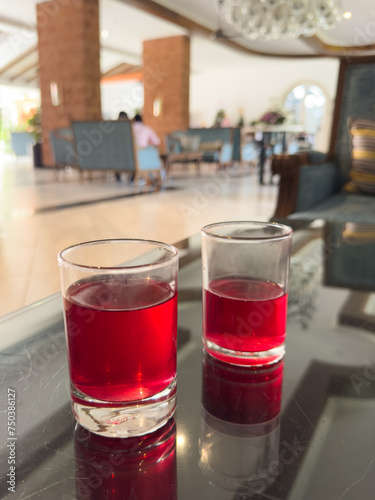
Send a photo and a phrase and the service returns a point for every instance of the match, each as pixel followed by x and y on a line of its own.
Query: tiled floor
pixel 40 215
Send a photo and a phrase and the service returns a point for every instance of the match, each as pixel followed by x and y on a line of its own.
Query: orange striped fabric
pixel 362 172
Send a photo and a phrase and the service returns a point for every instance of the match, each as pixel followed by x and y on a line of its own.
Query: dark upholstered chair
pixel 349 251
pixel 309 190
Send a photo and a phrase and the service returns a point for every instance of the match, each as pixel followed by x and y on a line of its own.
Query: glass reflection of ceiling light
pixel 274 19
pixel 104 34
pixel 299 92
pixel 347 15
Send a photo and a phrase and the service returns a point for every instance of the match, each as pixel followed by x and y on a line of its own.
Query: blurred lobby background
pixel 182 66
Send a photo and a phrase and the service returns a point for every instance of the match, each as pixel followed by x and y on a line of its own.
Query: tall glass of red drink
pixel 120 306
pixel 245 279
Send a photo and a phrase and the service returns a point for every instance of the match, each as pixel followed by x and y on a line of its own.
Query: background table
pixel 270 135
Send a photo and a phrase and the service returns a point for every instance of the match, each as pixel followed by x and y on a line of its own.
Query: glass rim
pixel 285 231
pixel 64 262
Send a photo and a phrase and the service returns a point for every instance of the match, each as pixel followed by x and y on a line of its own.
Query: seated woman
pixel 143 134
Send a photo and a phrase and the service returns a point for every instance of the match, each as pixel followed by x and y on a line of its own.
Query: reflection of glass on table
pixel 140 467
pixel 240 425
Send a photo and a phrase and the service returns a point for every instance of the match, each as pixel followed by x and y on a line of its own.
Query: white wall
pixel 257 85
pixel 119 96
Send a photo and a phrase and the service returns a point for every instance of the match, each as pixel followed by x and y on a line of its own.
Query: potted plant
pixel 35 129
pixel 241 119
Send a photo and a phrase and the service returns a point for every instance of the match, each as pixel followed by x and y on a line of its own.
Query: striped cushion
pixel 362 172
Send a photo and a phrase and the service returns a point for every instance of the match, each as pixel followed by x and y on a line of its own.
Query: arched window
pixel 305 105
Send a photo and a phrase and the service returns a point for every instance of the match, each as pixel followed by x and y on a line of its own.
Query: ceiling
pixel 129 22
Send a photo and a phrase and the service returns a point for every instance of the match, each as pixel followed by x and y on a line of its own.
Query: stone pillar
pixel 166 74
pixel 69 57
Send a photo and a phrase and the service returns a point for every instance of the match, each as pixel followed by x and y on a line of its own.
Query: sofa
pixel 213 145
pixel 106 145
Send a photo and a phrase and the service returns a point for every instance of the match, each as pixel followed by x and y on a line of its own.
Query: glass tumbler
pixel 245 279
pixel 120 308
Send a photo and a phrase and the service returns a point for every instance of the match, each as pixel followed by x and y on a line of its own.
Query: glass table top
pixel 300 429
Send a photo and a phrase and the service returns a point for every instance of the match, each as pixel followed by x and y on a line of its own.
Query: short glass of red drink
pixel 120 308
pixel 245 280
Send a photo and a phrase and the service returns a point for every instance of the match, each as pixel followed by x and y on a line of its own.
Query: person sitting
pixel 143 134
pixel 123 115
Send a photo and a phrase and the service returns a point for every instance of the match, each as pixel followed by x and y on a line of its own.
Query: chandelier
pixel 273 19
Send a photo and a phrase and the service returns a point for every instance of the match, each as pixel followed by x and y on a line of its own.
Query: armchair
pixel 311 189
pixel 61 143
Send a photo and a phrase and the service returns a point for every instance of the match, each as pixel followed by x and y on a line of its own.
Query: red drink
pixel 121 348
pixel 245 315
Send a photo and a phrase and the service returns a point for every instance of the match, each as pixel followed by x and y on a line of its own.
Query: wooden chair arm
pixel 288 167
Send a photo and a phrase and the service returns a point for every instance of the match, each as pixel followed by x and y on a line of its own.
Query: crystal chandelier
pixel 273 19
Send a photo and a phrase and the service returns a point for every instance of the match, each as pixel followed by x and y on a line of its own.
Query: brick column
pixel 166 73
pixel 69 55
